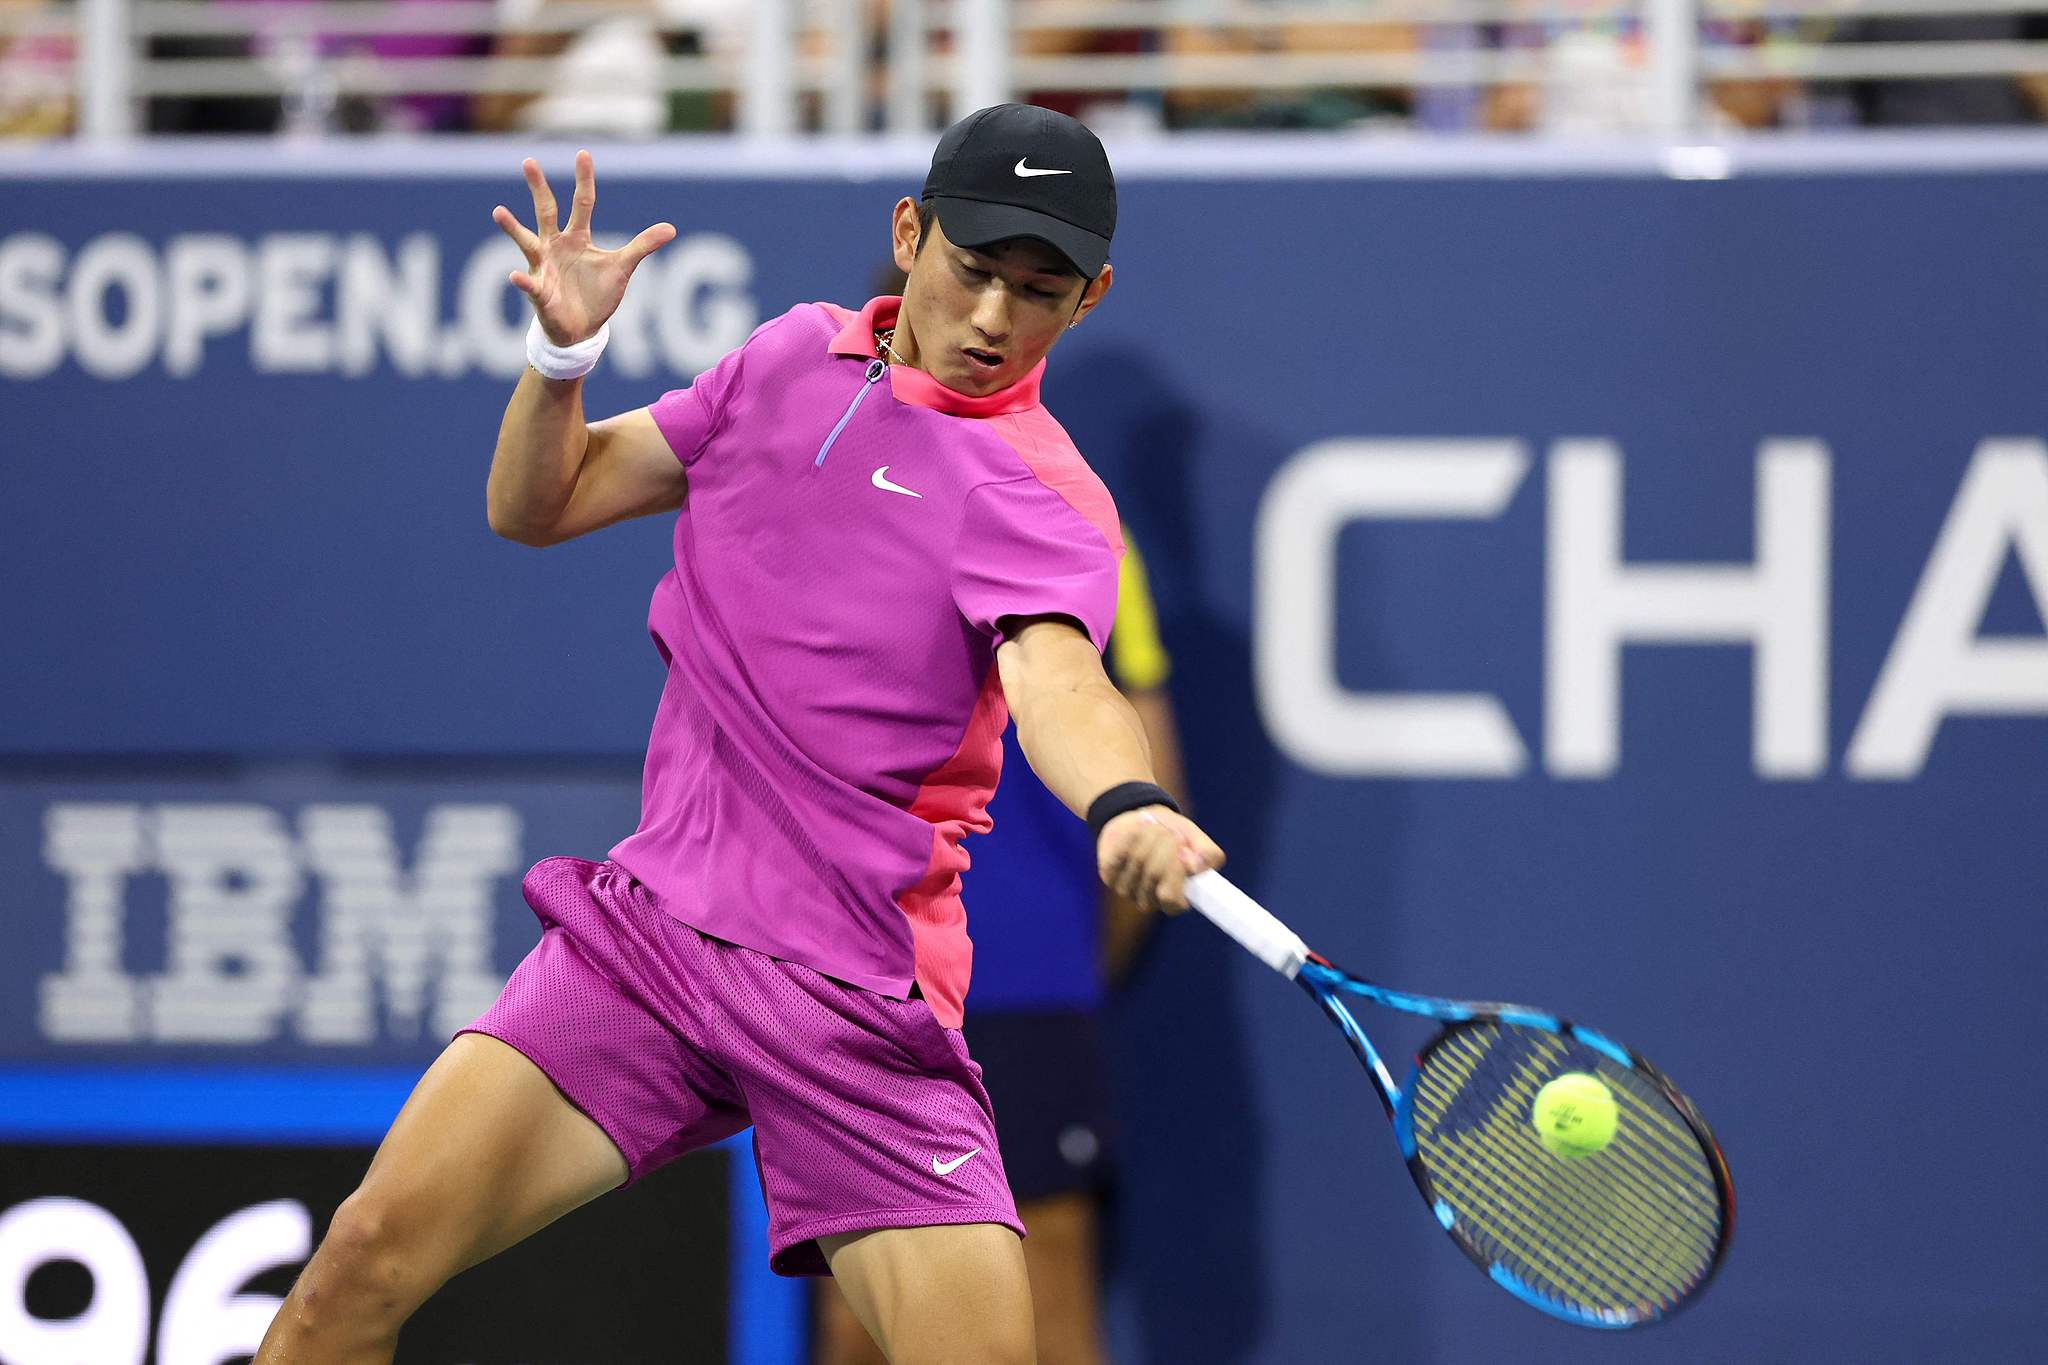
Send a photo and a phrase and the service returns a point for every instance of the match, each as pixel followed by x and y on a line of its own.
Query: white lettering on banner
pixel 421 941
pixel 494 317
pixel 631 349
pixel 234 879
pixel 1596 604
pixel 207 1317
pixel 1938 665
pixel 32 336
pixel 209 293
pixel 113 1329
pixel 702 307
pixel 96 849
pixel 288 335
pixel 1312 716
pixel 325 303
pixel 108 349
pixel 397 304
pixel 369 907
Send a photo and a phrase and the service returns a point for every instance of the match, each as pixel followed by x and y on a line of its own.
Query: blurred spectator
pixel 1090 106
pixel 608 78
pixel 1947 101
pixel 1326 106
pixel 35 70
pixel 308 61
pixel 1597 79
pixel 295 42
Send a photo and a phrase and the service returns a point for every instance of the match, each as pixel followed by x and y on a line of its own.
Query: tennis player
pixel 1050 946
pixel 888 547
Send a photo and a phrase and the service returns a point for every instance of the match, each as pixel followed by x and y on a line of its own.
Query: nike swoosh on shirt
pixel 1028 171
pixel 948 1167
pixel 881 480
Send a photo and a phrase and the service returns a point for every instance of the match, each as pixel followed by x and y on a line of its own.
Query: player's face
pixel 982 319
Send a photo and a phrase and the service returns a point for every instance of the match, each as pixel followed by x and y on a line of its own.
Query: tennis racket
pixel 1620 1237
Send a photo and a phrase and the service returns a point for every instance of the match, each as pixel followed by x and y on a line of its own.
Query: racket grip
pixel 1255 928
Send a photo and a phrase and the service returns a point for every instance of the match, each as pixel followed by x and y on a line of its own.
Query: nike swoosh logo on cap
pixel 1029 171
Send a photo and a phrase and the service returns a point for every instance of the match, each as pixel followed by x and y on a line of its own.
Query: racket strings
pixel 1515 1194
pixel 1558 1215
pixel 1656 1157
pixel 1625 1231
pixel 1580 1201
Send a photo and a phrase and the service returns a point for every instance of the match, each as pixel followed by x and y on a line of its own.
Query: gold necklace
pixel 882 339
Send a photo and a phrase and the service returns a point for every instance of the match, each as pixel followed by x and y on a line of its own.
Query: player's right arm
pixel 554 475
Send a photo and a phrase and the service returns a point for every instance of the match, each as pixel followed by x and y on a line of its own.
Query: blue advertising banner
pixel 309 914
pixel 1615 592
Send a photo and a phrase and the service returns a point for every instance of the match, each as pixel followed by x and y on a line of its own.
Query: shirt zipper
pixel 876 369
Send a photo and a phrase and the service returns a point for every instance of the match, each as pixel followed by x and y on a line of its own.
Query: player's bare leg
pixel 938 1295
pixel 1059 1257
pixel 485 1153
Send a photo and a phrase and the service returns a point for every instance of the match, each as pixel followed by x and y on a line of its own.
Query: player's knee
pixel 368 1264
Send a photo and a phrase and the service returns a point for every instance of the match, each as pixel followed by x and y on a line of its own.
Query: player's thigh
pixel 1060 1257
pixel 938 1295
pixel 840 1339
pixel 485 1153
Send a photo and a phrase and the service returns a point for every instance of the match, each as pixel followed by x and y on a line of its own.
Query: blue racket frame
pixel 1326 983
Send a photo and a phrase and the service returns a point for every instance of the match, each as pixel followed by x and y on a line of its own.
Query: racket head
pixel 1622 1237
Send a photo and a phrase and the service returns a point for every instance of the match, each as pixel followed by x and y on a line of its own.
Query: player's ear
pixel 1092 294
pixel 903 233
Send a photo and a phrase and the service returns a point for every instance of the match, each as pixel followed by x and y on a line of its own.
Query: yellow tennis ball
pixel 1574 1115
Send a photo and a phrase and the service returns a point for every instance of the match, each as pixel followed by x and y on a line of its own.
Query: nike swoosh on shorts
pixel 948 1167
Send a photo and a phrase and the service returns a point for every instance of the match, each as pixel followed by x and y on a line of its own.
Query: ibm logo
pixel 420 938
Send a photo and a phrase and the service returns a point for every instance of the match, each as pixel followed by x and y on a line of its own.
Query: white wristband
pixel 564 362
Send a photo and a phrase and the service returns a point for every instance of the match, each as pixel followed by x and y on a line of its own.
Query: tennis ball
pixel 1574 1115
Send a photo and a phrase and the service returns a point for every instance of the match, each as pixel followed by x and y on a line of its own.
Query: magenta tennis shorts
pixel 866 1112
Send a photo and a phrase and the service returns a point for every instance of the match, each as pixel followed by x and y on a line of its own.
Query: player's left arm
pixel 1082 738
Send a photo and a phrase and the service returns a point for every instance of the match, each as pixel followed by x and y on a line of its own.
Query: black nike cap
pixel 1015 170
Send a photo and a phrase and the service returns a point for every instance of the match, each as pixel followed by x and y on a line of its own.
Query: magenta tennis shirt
pixel 832 724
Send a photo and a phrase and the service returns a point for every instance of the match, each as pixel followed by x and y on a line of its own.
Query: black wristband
pixel 1123 797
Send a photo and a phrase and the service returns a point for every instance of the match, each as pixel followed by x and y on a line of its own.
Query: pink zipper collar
pixel 857 337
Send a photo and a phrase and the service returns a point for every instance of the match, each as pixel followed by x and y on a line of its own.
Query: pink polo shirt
pixel 831 728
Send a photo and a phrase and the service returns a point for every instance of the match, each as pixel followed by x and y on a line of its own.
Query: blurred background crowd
pixel 643 68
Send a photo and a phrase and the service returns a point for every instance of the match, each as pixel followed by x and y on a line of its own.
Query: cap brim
pixel 975 223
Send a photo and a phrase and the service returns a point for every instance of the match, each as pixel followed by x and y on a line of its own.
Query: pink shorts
pixel 867 1113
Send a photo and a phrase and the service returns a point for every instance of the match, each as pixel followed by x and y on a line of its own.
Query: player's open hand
pixel 1147 855
pixel 575 286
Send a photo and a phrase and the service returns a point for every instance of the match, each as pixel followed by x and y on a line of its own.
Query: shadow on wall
pixel 1186 1229
pixel 1189 1254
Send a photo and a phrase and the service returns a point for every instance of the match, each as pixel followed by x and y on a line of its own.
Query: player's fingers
pixel 585 197
pixel 1167 879
pixel 1138 866
pixel 1199 853
pixel 1132 878
pixel 516 230
pixel 647 243
pixel 1172 888
pixel 523 282
pixel 543 198
pixel 1125 876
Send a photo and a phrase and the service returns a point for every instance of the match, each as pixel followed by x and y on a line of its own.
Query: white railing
pixel 780 58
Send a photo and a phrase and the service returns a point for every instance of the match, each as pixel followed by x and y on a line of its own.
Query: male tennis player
pixel 887 546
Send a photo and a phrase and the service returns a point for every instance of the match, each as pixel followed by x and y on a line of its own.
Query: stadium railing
pixel 835 66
